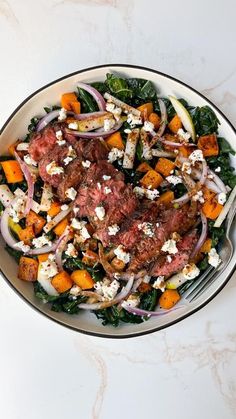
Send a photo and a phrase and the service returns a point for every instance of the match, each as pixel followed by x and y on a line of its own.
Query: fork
pixel 211 274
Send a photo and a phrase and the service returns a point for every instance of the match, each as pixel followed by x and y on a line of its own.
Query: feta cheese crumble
pixel 133 120
pixel 169 258
pixel 170 247
pixel 71 193
pixel 21 246
pixel 53 169
pixel 113 229
pixel 199 197
pixel 71 251
pixel 105 177
pixel 41 241
pixel 213 258
pixel 132 301
pixel 218 169
pixel 59 136
pixel 100 213
pixel 71 155
pixel 115 154
pixel 49 267
pixel 86 164
pixel 127 131
pixel 115 110
pixel 107 190
pixel 81 226
pixel 29 160
pixel 148 126
pixel 159 283
pixel 190 271
pixel 151 194
pixel 108 124
pixel 107 289
pixel 174 179
pixel 184 135
pixel 196 155
pixel 62 114
pixel 122 254
pixel 147 228
pixel 222 198
pixel 73 125
pixel 75 290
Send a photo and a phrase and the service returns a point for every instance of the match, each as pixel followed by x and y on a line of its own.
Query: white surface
pixel 185 371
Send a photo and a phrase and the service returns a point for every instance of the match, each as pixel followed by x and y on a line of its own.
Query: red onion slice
pixel 30 182
pixel 95 94
pixel 94 134
pixel 202 237
pixel 203 177
pixel 47 119
pixel 60 247
pixel 42 250
pixel 124 292
pixel 218 181
pixel 145 313
pixel 5 231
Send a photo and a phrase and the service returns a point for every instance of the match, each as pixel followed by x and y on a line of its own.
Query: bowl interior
pixel 16 127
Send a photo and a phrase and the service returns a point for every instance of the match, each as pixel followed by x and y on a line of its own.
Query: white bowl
pixel 16 127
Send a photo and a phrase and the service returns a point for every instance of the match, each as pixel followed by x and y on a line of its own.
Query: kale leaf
pixel 224 146
pixel 204 119
pixel 88 104
pixel 72 264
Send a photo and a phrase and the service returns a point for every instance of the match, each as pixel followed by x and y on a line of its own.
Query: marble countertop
pixel 188 370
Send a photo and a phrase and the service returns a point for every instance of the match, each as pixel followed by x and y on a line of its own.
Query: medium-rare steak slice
pixel 170 221
pixel 179 260
pixel 92 150
pixel 72 178
pixel 42 143
pixel 57 155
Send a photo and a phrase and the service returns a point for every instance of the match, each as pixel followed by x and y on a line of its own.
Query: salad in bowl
pixel 115 199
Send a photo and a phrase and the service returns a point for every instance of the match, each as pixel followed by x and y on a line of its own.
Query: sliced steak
pixel 42 143
pixel 140 224
pixel 170 221
pixel 121 208
pixel 96 172
pixel 57 155
pixel 73 176
pixel 178 260
pixel 92 150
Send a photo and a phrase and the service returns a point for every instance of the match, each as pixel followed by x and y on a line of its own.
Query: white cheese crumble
pixel 115 154
pixel 127 131
pixel 107 190
pixel 29 160
pixel 71 251
pixel 159 283
pixel 146 279
pixel 134 120
pixel 17 209
pixel 100 213
pixel 151 194
pixel 71 155
pixel 64 207
pixel 115 110
pixel 169 258
pixel 122 254
pixel 108 124
pixel 213 258
pixel 132 301
pixel 41 241
pixel 53 169
pixel 170 247
pixel 148 126
pixel 222 198
pixel 49 268
pixel 22 147
pixel 71 193
pixel 186 167
pixel 113 229
pixel 59 136
pixel 147 228
pixel 106 289
pixel 218 169
pixel 49 218
pixel 86 164
pixel 99 185
pixel 105 177
pixel 81 226
pixel 73 125
pixel 184 135
pixel 21 246
pixel 196 155
pixel 75 290
pixel 190 271
pixel 199 197
pixel 174 179
pixel 62 114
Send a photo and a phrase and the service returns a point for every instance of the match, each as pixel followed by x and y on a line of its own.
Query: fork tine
pixel 196 283
pixel 201 287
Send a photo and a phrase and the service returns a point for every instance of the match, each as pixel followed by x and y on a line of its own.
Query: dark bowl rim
pixel 125 335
